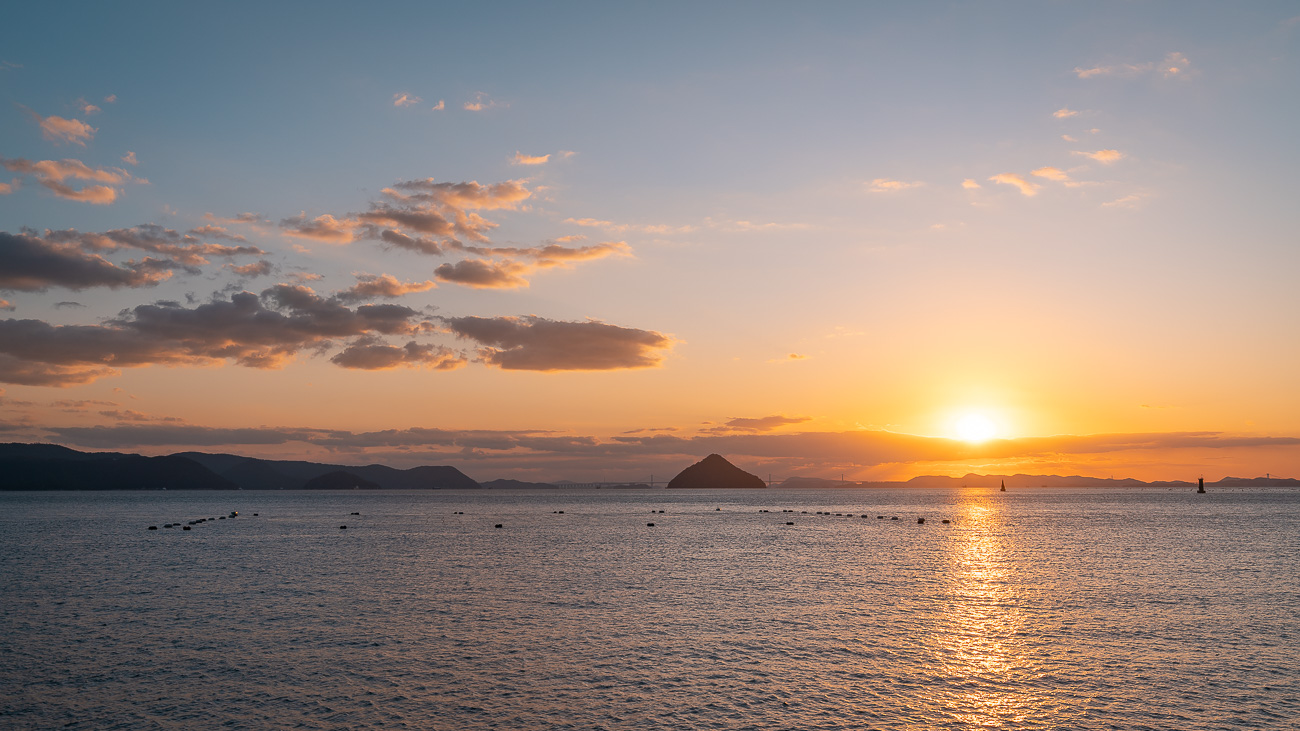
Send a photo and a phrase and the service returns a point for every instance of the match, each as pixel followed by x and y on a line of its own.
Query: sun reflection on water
pixel 983 625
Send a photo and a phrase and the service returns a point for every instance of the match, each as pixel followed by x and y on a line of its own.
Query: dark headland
pixel 714 471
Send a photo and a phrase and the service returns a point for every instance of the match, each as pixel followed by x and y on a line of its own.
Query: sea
pixel 1047 608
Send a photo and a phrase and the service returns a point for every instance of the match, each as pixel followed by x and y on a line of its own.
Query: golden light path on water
pixel 983 625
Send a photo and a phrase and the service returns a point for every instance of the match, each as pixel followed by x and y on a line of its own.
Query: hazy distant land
pixel 54 467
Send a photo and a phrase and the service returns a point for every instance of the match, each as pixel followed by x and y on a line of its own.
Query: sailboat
pixel 1004 486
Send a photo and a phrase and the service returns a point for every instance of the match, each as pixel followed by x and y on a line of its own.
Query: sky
pixel 597 241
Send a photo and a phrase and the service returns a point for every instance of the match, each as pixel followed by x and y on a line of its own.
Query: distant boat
pixel 1004 486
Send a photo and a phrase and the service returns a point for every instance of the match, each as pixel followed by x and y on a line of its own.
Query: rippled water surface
pixel 1046 608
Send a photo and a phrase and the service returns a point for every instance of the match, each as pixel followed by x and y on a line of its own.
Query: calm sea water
pixel 1036 608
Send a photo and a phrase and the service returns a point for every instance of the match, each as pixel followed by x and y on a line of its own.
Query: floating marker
pixel 945 522
pixel 650 525
pixel 343 527
pixel 185 527
pixel 920 521
pixel 153 527
pixel 498 525
pixel 789 522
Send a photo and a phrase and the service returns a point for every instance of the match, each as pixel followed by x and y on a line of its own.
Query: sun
pixel 975 428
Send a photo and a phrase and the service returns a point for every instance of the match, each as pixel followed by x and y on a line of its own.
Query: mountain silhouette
pixel 714 471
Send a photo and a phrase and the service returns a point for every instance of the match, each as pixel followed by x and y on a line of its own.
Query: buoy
pixel 661 511
pixel 561 512
pixel 880 517
pixel 789 522
pixel 222 518
pixel 185 527
pixel 945 522
pixel 804 512
pixel 343 527
pixel 650 525
pixel 233 513
pixel 254 515
pixel 356 513
pixel 498 525
pixel 894 518
pixel 718 509
pixel 920 521
pixel 153 527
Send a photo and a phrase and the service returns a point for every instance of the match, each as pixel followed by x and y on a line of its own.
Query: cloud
pixel 321 228
pixel 1051 173
pixel 7 306
pixel 1068 138
pixel 370 286
pixel 129 158
pixel 482 101
pixel 591 222
pixel 1064 113
pixel 1173 64
pixel 372 354
pixel 217 232
pixel 405 100
pixel 1128 201
pixel 256 269
pixel 418 244
pixel 244 219
pixel 87 108
pixel 53 173
pixel 1102 156
pixel 483 274
pixel 522 159
pixel 11 186
pixel 59 130
pixel 969 184
pixel 69 306
pixel 253 330
pixel 762 424
pixel 439 106
pixel 111 99
pixel 32 264
pixel 182 249
pixel 885 185
pixel 537 344
pixel 1026 187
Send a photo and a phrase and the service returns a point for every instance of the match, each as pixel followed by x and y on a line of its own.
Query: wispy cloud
pixel 522 159
pixel 59 130
pixel 761 424
pixel 1128 201
pixel 1102 156
pixel 11 186
pixel 1051 173
pixel 1025 187
pixel 885 185
pixel 87 108
pixel 324 228
pixel 129 158
pixel 1172 65
pixel 1064 113
pixel 441 105
pixel 969 184
pixel 405 100
pixel 52 173
pixel 481 101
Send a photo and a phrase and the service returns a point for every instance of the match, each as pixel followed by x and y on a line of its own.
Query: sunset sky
pixel 599 241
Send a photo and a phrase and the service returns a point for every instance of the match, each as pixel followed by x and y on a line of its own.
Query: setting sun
pixel 975 428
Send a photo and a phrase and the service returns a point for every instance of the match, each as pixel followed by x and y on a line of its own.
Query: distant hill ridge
pixel 54 467
pixel 1021 481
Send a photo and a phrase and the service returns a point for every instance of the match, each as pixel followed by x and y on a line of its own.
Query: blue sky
pixel 1068 218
